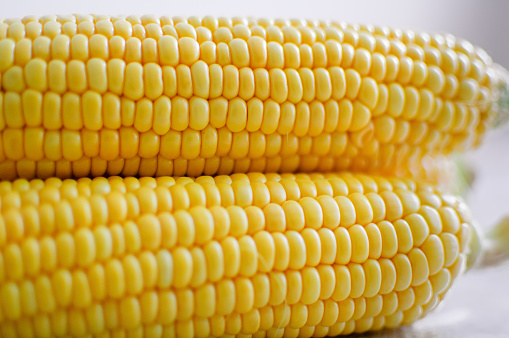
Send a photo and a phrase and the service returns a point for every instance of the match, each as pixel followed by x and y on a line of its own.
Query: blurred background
pixel 479 304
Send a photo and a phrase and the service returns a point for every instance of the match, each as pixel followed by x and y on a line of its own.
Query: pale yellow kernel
pixel 419 228
pixel 385 127
pixel 319 55
pixel 123 28
pixel 133 50
pixel 388 273
pixel 6 54
pixel 14 80
pixel 362 61
pixel 311 279
pixel 216 82
pixel 10 301
pixel 41 48
pixel 79 47
pixel 81 294
pixel 85 245
pixel 394 208
pixel 223 54
pixel 358 279
pixel 375 241
pixel 115 280
pixel 308 84
pixel 23 52
pixel 104 242
pixel 13 262
pixel 27 298
pixel 184 29
pixel 130 313
pixel 360 243
pixel 361 116
pixel 208 52
pixel 160 268
pixel 262 87
pixel 420 269
pixel 436 80
pixel 99 47
pixel 153 79
pixel 313 246
pixel 239 52
pixel 313 214
pixel 451 86
pixel 257 51
pixel 323 84
pixel 406 299
pixel 35 74
pixel 247 85
pixel 168 230
pixel 184 81
pixel 396 100
pixel 278 85
pixel 168 51
pixel 451 248
pixel 362 208
pixel 48 254
pixel 404 234
pixel 344 246
pixel 189 50
pixel 403 272
pixel 203 221
pixel 373 273
pixel 406 68
pixel 441 280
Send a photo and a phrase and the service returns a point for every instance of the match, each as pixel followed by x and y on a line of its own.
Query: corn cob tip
pixel 492 250
pixel 501 97
pixel 477 248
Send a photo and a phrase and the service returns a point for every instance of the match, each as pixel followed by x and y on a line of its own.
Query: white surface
pixel 479 305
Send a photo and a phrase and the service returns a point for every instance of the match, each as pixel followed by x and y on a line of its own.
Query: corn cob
pixel 317 254
pixel 84 95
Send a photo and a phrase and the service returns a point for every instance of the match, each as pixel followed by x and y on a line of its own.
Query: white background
pixel 479 305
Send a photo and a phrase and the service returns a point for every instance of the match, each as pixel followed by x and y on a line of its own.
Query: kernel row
pixel 318 319
pixel 213 129
pixel 144 200
pixel 208 191
pixel 225 297
pixel 80 289
pixel 387 159
pixel 254 53
pixel 94 111
pixel 341 183
pixel 224 165
pixel 225 29
pixel 365 273
pixel 125 148
pixel 115 84
pixel 198 225
pixel 218 327
pixel 36 144
pixel 185 229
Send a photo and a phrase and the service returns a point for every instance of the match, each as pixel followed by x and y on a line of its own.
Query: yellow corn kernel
pixel 97 77
pixel 246 253
pixel 289 61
